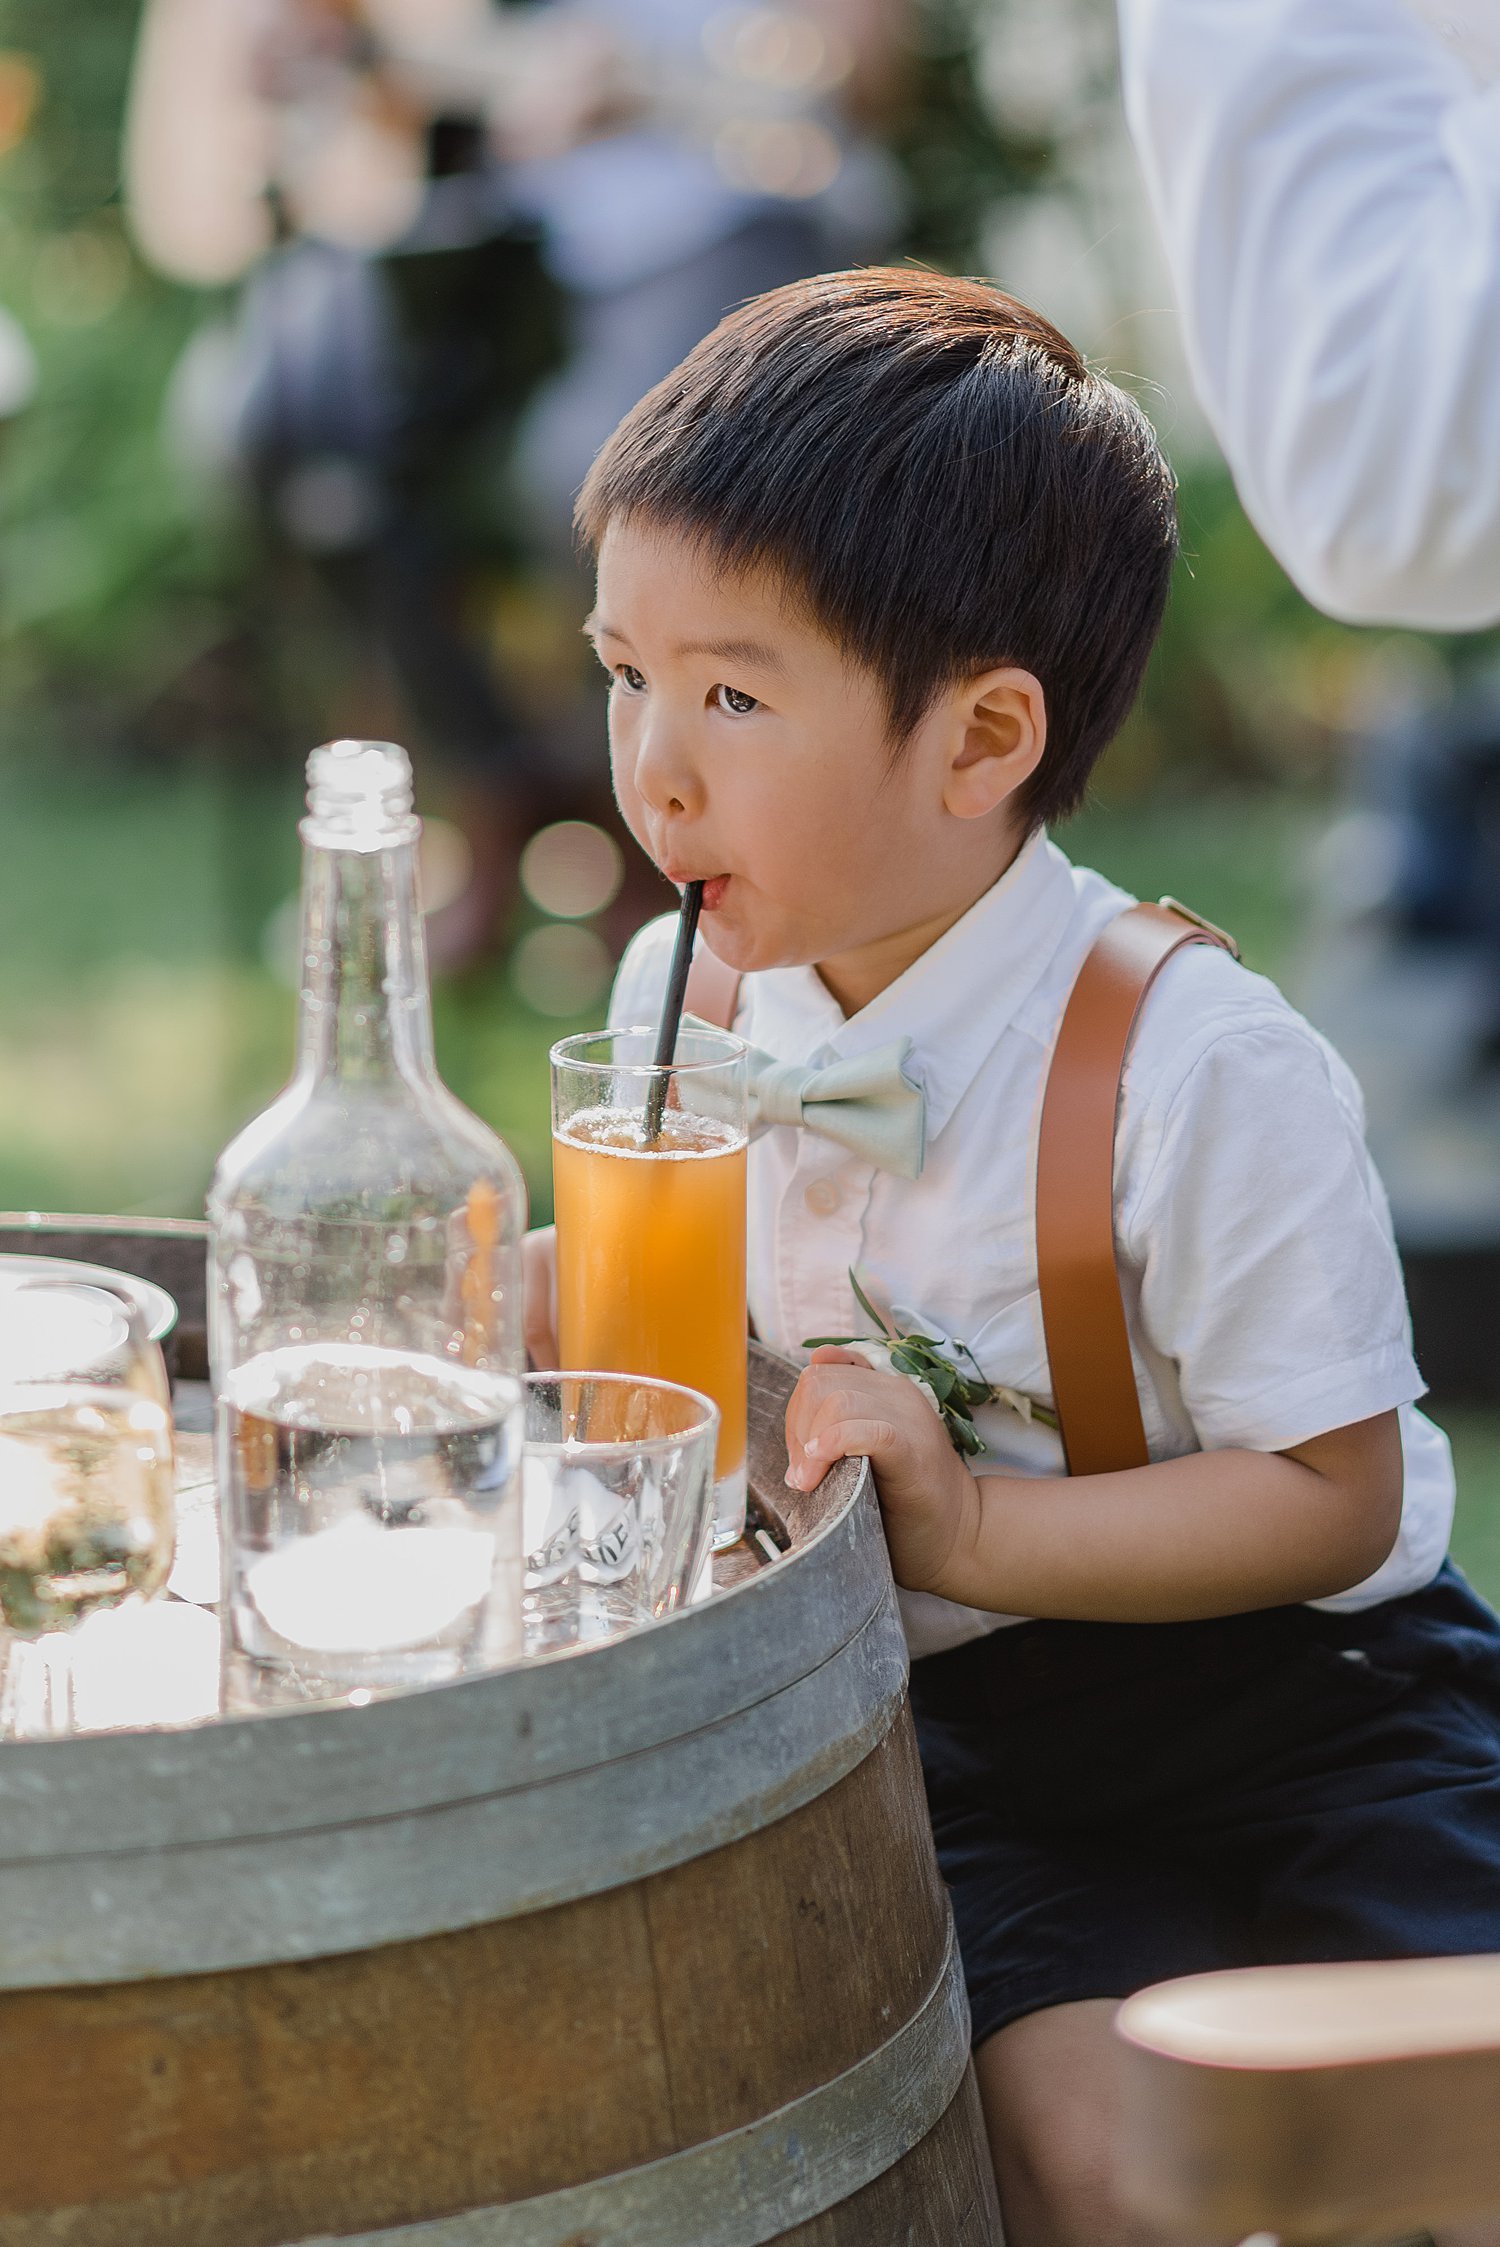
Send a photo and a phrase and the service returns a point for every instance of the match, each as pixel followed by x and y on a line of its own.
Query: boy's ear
pixel 997 731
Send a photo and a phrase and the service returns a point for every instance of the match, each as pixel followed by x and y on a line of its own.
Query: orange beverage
pixel 651 1256
pixel 651 1251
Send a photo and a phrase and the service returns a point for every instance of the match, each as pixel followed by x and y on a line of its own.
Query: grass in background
pixel 1475 1437
pixel 1237 859
pixel 140 1024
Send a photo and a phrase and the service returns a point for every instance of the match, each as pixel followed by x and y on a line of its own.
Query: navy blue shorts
pixel 1117 1803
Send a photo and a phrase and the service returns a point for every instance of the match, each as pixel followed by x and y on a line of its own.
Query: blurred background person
pixel 1325 177
pixel 454 219
pixel 1324 174
pixel 750 164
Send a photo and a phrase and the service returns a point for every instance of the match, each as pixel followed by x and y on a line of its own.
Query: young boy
pixel 880 566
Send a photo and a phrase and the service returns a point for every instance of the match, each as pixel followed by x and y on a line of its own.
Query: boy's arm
pixel 1215 1533
pixel 1323 171
pixel 539 1283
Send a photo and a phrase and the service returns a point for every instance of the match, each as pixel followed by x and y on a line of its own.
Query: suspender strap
pixel 1083 1312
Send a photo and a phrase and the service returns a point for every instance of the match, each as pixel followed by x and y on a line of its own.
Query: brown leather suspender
pixel 1083 1312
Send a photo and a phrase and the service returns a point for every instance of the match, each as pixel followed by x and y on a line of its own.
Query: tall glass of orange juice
pixel 651 1226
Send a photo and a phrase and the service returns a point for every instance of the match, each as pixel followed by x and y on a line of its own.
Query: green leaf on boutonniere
pixel 954 1393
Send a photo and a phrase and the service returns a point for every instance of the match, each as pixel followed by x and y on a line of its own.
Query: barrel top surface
pixel 535 1722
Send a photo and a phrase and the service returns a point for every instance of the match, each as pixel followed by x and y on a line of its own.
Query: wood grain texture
pixel 941 2195
pixel 1318 2156
pixel 346 2094
pixel 1323 2103
pixel 796 1950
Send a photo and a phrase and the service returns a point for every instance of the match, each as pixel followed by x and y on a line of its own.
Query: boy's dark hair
pixel 933 469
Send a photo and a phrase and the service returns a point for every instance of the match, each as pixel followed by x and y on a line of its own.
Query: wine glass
pixel 86 1483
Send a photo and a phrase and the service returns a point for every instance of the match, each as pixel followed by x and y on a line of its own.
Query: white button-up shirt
pixel 1263 1296
pixel 1326 175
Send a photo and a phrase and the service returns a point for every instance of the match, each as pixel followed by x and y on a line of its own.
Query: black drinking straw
pixel 671 1013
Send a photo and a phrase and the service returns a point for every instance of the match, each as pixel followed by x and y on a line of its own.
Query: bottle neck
pixel 366 1011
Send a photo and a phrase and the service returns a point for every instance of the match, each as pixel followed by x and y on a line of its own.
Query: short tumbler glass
pixel 651 1223
pixel 617 1484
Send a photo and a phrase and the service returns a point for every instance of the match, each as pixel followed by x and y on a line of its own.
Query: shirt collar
pixel 954 1002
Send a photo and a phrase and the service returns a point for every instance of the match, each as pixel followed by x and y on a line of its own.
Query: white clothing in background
pixel 1326 176
pixel 1263 1296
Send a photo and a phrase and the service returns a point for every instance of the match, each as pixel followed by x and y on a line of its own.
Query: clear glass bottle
pixel 365 1324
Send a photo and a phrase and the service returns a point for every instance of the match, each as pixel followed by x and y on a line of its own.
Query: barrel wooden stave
pixel 352 2093
pixel 942 2194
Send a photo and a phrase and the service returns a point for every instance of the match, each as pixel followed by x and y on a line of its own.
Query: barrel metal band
pixel 753 2184
pixel 208 1907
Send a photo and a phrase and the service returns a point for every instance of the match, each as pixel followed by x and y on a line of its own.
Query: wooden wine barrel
pixel 644 1947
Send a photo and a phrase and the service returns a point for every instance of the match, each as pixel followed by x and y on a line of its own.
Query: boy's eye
pixel 738 704
pixel 626 675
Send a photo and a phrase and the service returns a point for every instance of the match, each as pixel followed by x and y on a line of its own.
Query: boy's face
pixel 751 753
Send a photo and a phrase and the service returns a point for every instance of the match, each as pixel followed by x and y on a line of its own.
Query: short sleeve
pixel 1267 1271
pixel 641 977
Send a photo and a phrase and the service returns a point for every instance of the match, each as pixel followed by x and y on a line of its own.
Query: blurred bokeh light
pixel 561 969
pixel 572 870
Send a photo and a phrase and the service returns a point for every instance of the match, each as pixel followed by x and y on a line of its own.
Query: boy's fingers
pixel 812 1387
pixel 815 1400
pixel 826 1399
pixel 840 1438
pixel 801 1414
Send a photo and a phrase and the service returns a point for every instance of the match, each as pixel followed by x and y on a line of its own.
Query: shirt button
pixel 822 1197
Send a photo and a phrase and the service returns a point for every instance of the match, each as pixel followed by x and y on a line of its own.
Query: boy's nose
pixel 666 778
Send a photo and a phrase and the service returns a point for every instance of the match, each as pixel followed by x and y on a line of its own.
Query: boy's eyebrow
pixel 758 652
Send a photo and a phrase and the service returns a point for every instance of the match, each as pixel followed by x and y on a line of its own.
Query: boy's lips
pixel 714 885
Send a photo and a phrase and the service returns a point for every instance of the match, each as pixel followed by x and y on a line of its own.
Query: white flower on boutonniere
pixel 953 1393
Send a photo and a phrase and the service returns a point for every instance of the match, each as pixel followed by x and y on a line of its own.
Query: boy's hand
pixel 539 1281
pixel 842 1408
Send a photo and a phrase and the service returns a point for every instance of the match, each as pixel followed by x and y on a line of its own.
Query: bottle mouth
pixel 359 795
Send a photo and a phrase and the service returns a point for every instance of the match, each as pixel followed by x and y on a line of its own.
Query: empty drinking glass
pixel 618 1495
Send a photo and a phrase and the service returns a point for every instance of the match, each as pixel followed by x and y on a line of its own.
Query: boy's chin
pixel 746 949
pixel 734 946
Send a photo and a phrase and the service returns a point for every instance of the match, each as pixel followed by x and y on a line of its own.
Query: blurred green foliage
pixel 111 570
pixel 954 159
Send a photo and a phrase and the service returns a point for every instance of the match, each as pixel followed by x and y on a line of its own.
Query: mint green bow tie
pixel 867 1104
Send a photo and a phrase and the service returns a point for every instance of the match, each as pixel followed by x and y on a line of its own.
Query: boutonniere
pixel 953 1393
